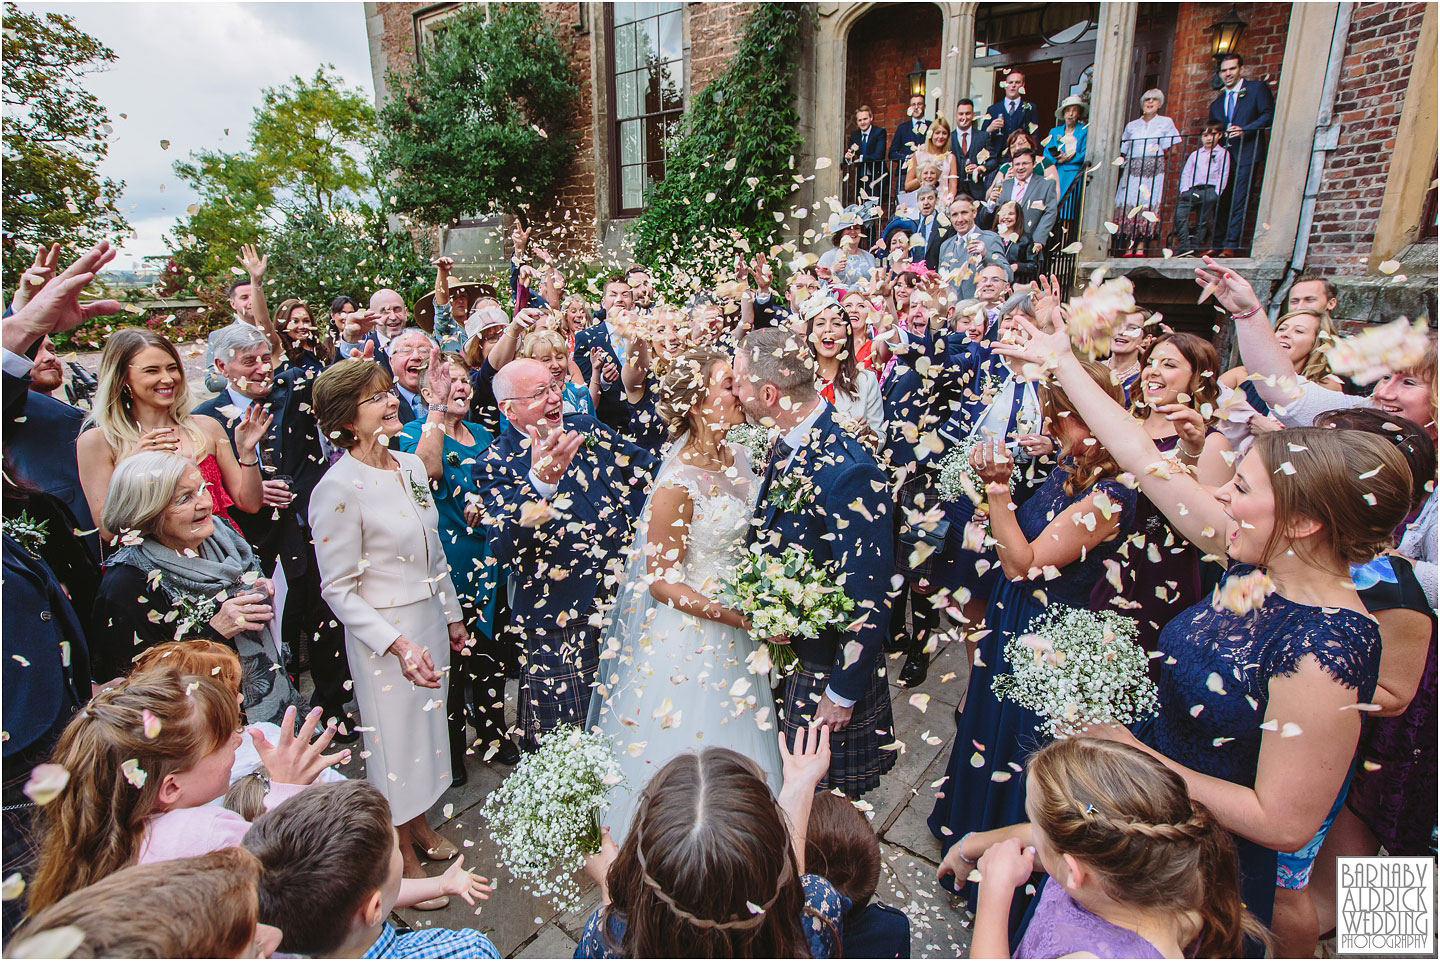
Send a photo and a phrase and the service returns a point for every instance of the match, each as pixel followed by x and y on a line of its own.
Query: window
pixel 429 24
pixel 647 74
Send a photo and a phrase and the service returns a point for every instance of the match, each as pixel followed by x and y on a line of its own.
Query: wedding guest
pixel 1245 108
pixel 705 817
pixel 143 404
pixel 200 907
pixel 966 250
pixel 247 299
pixel 304 346
pixel 865 150
pixel 1304 333
pixel 1067 140
pixel 548 348
pixel 968 141
pixel 1203 179
pixel 847 261
pixel 391 316
pixel 910 134
pixel 1043 533
pixel 580 522
pixel 1144 144
pixel 353 329
pixel 145 759
pixel 842 848
pixel 1307 652
pixel 854 391
pixel 1009 114
pixel 1134 868
pixel 1044 163
pixel 331 873
pixel 1125 349
pixel 386 578
pixel 484 330
pixel 45 528
pixel 934 151
pixel 768 311
pixel 608 336
pixel 408 352
pixel 450 446
pixel 1035 196
pixel 184 575
pixel 1012 243
pixel 1315 292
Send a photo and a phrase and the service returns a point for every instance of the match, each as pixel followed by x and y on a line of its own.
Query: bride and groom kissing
pixel 667 660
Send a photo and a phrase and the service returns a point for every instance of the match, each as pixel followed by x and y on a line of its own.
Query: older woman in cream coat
pixel 384 574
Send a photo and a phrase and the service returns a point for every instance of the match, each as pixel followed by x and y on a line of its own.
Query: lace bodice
pixel 1077 578
pixel 724 501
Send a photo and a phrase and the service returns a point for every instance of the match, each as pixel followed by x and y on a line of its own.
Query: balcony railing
pixel 1187 195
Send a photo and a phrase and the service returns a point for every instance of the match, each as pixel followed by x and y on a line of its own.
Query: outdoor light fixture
pixel 917 79
pixel 1225 40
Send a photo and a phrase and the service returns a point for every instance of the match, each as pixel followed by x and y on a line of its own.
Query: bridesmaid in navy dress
pixel 1257 708
pixel 1047 531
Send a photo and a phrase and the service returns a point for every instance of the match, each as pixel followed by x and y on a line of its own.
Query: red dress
pixel 220 497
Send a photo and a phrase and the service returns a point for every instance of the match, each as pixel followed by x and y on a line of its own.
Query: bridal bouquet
pixel 545 817
pixel 785 594
pixel 756 441
pixel 1076 668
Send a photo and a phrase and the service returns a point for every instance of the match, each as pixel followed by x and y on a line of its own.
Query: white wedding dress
pixel 669 682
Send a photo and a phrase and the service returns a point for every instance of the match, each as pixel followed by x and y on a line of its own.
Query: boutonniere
pixel 792 491
pixel 28 532
pixel 453 459
pixel 420 493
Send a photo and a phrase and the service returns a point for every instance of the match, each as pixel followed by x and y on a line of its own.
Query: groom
pixel 824 493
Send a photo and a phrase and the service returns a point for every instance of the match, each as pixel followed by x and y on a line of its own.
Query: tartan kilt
pixel 557 671
pixel 856 760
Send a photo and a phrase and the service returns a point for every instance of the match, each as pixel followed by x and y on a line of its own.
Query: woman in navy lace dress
pixel 1076 520
pixel 1257 701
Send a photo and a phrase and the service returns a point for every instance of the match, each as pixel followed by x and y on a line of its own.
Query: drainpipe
pixel 1327 138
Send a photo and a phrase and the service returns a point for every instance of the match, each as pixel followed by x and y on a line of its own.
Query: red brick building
pixel 1348 164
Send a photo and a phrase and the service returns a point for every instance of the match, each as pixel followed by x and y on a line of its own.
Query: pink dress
pixel 191 832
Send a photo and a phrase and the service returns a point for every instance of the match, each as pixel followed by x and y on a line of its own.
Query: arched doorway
pixel 1053 44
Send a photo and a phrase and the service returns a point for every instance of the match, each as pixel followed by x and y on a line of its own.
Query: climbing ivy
pixel 732 166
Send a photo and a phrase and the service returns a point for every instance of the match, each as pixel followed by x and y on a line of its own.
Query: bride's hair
pixel 686 385
pixel 707 845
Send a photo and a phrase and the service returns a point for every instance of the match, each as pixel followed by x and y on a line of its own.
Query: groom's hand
pixel 828 712
pixel 782 639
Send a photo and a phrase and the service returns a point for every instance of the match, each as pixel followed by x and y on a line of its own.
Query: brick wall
pixel 1192 65
pixel 715 30
pixel 882 49
pixel 1374 77
pixel 565 221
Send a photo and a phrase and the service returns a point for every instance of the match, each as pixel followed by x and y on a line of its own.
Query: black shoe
pixel 345 732
pixel 916 669
pixel 459 777
pixel 508 754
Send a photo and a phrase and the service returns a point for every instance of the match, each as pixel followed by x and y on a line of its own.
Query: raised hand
pixel 457 880
pixel 551 457
pixel 56 307
pixel 252 428
pixel 296 759
pixel 443 265
pixel 415 663
pixel 809 762
pixel 367 353
pixel 1232 291
pixel 253 262
pixel 1045 298
pixel 441 380
pixel 520 236
pixel 36 276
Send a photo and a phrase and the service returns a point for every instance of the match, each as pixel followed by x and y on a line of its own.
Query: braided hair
pixel 1131 820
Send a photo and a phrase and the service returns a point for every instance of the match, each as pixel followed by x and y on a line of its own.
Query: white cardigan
pixel 865 404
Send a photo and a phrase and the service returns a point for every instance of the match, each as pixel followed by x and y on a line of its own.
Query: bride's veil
pixel 629 617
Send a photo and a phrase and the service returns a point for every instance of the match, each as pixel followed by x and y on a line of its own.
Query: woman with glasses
pixel 386 577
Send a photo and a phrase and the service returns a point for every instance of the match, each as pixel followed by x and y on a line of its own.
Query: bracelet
pixel 437 408
pixel 1247 315
pixel 960 848
pixel 253 463
pixel 1186 453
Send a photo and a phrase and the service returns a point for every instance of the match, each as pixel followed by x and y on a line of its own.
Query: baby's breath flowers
pixel 1075 668
pixel 545 817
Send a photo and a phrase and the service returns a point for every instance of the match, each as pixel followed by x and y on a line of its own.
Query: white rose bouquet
pixel 787 594
pixel 545 817
pixel 1076 668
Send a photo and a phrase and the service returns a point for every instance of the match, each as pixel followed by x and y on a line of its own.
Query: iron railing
pixel 1215 210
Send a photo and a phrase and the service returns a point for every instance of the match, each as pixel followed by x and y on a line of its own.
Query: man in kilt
pixel 824 493
pixel 559 497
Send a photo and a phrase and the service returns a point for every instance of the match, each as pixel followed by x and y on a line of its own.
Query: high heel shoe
pixel 444 851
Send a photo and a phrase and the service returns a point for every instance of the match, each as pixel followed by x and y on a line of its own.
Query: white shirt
pixel 1017 193
pixel 239 400
pixel 17 365
pixel 1011 105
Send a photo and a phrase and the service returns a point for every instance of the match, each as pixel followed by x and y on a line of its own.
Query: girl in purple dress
pixel 1259 687
pixel 1136 869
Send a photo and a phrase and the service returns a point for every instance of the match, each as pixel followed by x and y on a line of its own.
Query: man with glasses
pixel 409 354
pixel 558 496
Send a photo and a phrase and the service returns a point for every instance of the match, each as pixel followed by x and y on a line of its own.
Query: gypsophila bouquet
pixel 959 479
pixel 27 531
pixel 192 612
pixel 756 441
pixel 1075 668
pixel 787 594
pixel 545 817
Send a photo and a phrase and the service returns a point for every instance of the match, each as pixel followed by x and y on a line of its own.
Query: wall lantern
pixel 1225 40
pixel 917 79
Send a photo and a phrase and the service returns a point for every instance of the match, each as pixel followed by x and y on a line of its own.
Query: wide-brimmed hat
pixel 1072 102
pixel 855 215
pixel 424 309
pixel 484 319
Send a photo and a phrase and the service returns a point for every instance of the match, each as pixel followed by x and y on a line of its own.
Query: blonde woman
pixel 142 403
pixel 935 150
pixel 1305 334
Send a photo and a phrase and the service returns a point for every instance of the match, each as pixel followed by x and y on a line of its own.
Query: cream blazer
pixel 378 547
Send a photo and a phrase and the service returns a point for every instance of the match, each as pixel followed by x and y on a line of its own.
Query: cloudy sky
pixel 187 72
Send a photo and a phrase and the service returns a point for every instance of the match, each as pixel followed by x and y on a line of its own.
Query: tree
pixel 308 150
pixel 731 168
pixel 55 135
pixel 481 122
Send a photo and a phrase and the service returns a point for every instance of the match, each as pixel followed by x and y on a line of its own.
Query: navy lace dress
pixel 1214 728
pixel 971 799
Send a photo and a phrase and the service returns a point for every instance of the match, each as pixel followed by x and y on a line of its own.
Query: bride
pixel 672 675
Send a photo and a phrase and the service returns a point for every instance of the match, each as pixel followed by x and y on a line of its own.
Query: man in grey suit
pixel 1037 197
pixel 968 249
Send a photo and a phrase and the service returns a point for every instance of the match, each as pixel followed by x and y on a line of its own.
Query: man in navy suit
pixel 1243 109
pixel 558 518
pixel 1010 114
pixel 911 132
pixel 824 493
pixel 971 146
pixel 612 410
pixel 280 530
pixel 866 148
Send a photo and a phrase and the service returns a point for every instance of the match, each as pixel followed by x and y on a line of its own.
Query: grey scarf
pixel 197 586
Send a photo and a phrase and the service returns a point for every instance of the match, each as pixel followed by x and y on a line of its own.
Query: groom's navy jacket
pixel 847 522
pixel 560 566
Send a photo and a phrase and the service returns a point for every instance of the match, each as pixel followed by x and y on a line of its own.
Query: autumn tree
pixel 55 135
